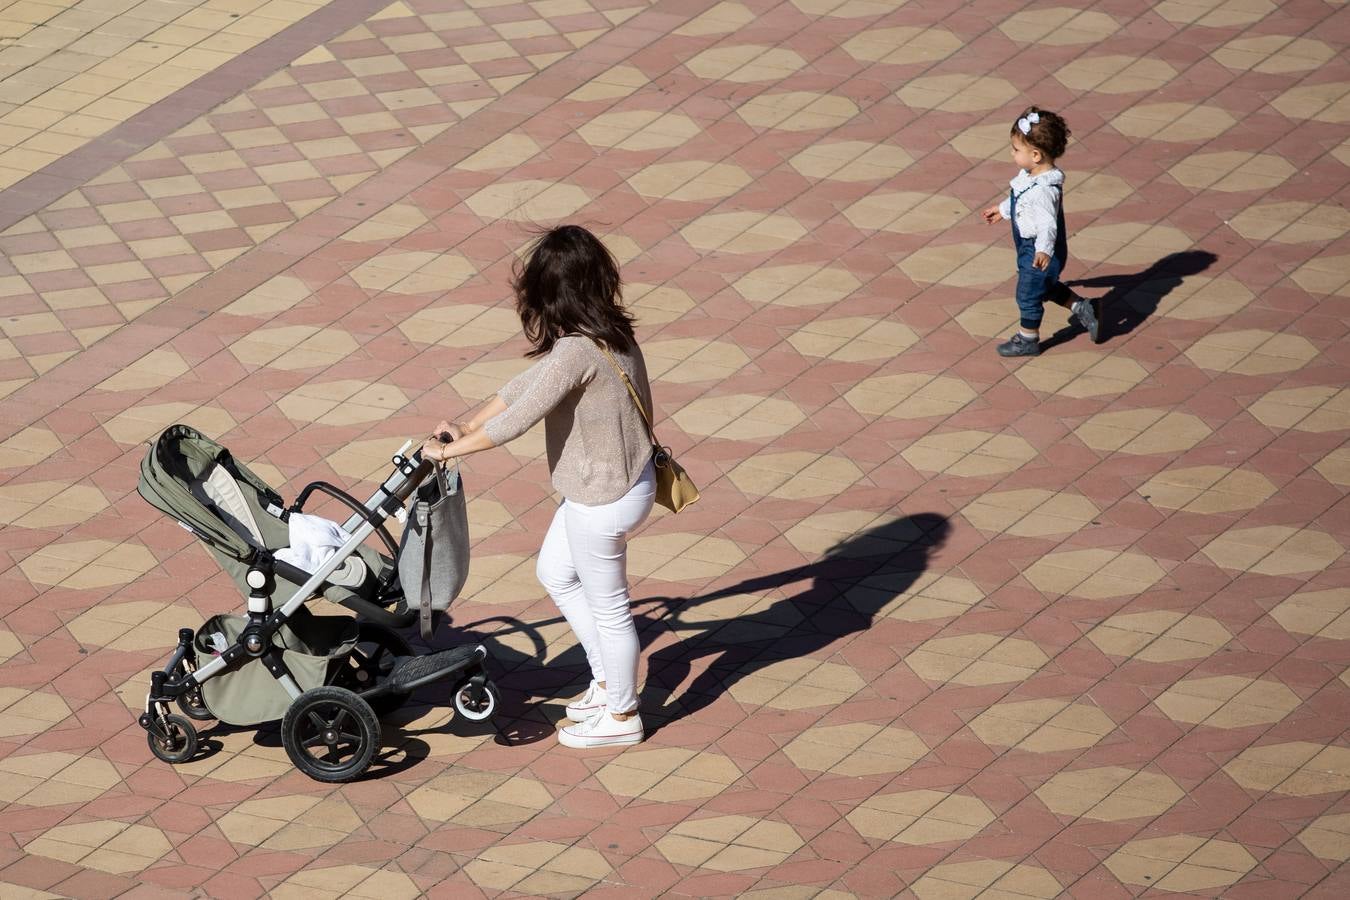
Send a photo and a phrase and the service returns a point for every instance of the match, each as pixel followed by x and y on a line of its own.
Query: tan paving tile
pixel 1109 793
pixel 1215 13
pixel 1142 431
pixel 920 817
pixel 1295 768
pixel 1161 636
pixel 1324 613
pixel 1328 837
pixel 1075 374
pixel 976 659
pixel 857 749
pixel 1094 574
pixel 1030 512
pixel 104 845
pixel 1181 863
pixel 1041 726
pixel 1227 701
pixel 729 843
pixel 1207 489
pixel 986 878
pixel 851 161
pixel 348 881
pixel 1274 550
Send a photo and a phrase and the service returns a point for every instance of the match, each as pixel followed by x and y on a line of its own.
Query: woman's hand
pixel 1041 261
pixel 454 429
pixel 434 449
pixel 991 215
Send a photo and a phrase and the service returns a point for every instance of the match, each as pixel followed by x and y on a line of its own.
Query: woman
pixel 568 295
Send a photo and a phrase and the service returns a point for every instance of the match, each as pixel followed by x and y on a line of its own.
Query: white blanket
pixel 313 541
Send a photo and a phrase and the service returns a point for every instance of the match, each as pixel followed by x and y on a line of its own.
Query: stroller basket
pixel 327 678
pixel 311 647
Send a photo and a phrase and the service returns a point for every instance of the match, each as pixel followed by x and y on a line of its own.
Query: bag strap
pixel 646 419
pixel 423 513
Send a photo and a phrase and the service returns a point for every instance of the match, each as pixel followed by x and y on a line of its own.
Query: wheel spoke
pixel 317 720
pixel 350 738
pixel 338 720
pixel 312 742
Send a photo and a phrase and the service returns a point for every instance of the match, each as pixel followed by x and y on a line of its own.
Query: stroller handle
pixel 419 474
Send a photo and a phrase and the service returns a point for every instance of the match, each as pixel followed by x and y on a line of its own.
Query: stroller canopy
pixel 184 471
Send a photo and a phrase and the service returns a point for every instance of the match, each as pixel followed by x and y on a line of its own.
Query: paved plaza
pixel 944 625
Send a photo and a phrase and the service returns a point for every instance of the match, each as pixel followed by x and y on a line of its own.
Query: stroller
pixel 327 678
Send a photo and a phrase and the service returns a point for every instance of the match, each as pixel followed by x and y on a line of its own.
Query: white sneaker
pixel 602 730
pixel 585 706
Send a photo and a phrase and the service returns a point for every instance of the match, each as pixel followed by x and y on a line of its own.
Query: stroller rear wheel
pixel 330 734
pixel 177 744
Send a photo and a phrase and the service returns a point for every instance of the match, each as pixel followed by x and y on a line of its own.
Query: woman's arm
pixel 471 442
pixel 468 436
pixel 458 429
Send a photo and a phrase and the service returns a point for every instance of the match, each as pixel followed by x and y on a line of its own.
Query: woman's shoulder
pixel 576 351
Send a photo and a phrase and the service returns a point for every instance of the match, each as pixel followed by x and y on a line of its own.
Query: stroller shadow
pixel 1132 298
pixel 737 635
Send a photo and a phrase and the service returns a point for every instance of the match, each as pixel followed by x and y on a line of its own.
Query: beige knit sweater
pixel 596 439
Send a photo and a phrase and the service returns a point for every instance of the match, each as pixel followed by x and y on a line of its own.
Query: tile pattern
pixel 942 626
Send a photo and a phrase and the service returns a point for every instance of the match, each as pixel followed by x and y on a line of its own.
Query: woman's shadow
pixel 1131 298
pixel 849 587
pixel 853 583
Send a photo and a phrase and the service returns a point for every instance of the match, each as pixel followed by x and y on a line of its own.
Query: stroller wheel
pixel 376 653
pixel 193 707
pixel 191 703
pixel 330 734
pixel 476 704
pixel 179 743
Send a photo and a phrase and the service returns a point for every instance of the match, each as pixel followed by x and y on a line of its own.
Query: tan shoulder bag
pixel 674 488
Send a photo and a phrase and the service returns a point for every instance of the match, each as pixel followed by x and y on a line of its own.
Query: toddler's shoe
pixel 1088 314
pixel 601 729
pixel 1018 345
pixel 585 706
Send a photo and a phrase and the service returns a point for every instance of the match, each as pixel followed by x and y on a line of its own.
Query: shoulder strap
pixel 632 392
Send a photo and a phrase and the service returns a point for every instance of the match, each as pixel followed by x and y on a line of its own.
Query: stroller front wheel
pixel 177 744
pixel 477 704
pixel 330 734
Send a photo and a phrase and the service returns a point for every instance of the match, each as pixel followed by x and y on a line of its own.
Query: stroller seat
pixel 221 492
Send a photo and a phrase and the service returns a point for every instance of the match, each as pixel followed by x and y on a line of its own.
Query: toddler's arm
pixel 1001 211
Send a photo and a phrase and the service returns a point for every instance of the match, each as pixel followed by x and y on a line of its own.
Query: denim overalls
pixel 1035 286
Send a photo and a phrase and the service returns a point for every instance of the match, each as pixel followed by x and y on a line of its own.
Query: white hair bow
pixel 1024 124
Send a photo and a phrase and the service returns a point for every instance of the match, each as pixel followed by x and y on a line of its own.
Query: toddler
pixel 1035 205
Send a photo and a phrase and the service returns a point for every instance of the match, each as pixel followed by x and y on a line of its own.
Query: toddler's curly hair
pixel 1045 130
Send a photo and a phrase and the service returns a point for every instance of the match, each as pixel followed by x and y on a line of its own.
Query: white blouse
pixel 1037 207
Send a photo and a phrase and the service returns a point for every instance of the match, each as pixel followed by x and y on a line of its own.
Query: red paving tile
pixel 793 701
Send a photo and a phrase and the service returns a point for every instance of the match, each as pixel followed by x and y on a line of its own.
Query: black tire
pixel 192 704
pixel 330 734
pixel 370 662
pixel 179 745
pixel 480 709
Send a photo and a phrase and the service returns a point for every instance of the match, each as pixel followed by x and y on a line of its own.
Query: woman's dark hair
pixel 1048 133
pixel 568 283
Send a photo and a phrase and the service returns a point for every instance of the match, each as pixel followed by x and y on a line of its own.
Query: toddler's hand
pixel 991 215
pixel 1041 261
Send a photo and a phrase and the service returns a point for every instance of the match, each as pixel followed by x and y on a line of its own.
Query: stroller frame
pixel 329 717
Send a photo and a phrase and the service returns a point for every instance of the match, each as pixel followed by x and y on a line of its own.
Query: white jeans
pixel 583 565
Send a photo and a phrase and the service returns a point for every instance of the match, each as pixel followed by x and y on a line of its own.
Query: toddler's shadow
pixel 1132 297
